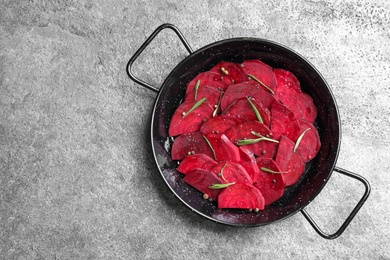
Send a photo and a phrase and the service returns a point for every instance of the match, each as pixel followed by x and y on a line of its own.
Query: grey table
pixel 77 177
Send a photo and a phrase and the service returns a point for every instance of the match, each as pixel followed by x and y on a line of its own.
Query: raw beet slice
pixel 204 91
pixel 196 161
pixel 283 122
pixel 232 172
pixel 192 121
pixel 261 71
pixel 212 79
pixel 286 81
pixel 231 71
pixel 218 125
pixel 289 162
pixel 189 144
pixel 241 131
pixel 241 196
pixel 307 107
pixel 242 110
pixel 247 89
pixel 224 149
pixel 288 90
pixel 201 180
pixel 248 161
pixel 310 143
pixel 270 184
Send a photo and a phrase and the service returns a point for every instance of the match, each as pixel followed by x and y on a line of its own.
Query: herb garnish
pixel 261 83
pixel 258 116
pixel 256 140
pixel 196 105
pixel 300 139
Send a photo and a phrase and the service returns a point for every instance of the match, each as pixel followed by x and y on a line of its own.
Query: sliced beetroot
pixel 231 71
pixel 231 139
pixel 289 162
pixel 218 125
pixel 242 110
pixel 224 149
pixel 209 78
pixel 310 143
pixel 247 89
pixel 286 81
pixel 283 122
pixel 204 91
pixel 307 107
pixel 246 130
pixel 189 144
pixel 270 183
pixel 288 90
pixel 248 161
pixel 196 161
pixel 202 180
pixel 183 121
pixel 262 72
pixel 232 172
pixel 241 196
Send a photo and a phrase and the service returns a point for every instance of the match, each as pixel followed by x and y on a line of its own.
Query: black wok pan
pixel 317 172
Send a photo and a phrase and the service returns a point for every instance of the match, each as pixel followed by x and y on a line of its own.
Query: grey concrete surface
pixel 77 177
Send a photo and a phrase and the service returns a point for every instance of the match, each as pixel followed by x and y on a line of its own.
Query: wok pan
pixel 317 171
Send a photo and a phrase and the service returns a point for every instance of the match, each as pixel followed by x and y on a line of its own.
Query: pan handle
pixel 145 44
pixel 353 213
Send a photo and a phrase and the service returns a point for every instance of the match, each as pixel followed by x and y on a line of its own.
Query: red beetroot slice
pixel 209 78
pixel 263 72
pixel 196 161
pixel 286 81
pixel 204 91
pixel 288 90
pixel 218 125
pixel 248 161
pixel 189 144
pixel 241 196
pixel 201 180
pixel 283 122
pixel 244 130
pixel 289 162
pixel 231 71
pixel 307 107
pixel 232 172
pixel 247 89
pixel 310 143
pixel 192 121
pixel 224 149
pixel 270 184
pixel 242 110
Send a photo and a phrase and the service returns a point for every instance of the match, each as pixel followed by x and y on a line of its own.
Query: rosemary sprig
pixel 218 104
pixel 196 105
pixel 211 147
pixel 221 172
pixel 300 139
pixel 256 140
pixel 196 89
pixel 255 110
pixel 221 185
pixel 270 171
pixel 261 83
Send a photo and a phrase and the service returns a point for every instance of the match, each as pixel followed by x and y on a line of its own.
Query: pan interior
pixel 317 171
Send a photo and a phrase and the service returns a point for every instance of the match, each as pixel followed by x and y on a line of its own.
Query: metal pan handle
pixel 353 213
pixel 145 44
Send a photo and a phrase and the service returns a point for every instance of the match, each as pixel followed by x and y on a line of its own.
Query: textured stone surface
pixel 77 177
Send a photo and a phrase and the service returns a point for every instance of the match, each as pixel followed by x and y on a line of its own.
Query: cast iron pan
pixel 318 170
